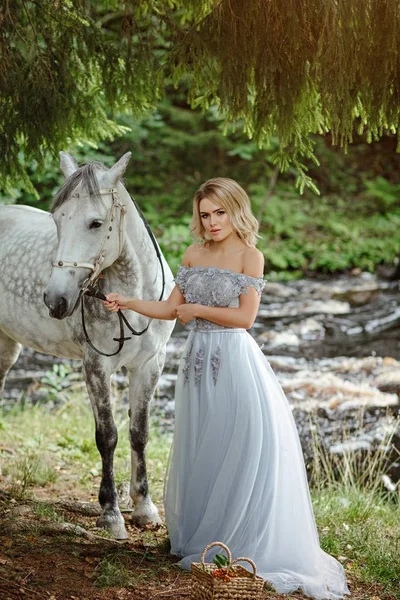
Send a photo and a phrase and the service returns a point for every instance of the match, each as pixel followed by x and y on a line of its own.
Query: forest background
pixel 97 79
pixel 353 223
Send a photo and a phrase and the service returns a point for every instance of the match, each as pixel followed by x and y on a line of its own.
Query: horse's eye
pixel 95 224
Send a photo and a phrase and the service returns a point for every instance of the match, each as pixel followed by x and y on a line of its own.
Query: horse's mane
pixel 86 175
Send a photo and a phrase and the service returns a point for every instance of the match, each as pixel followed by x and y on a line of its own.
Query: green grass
pixel 364 527
pixel 358 519
pixel 359 523
pixel 27 471
pixel 124 568
pixel 46 511
pixel 47 443
pixel 112 571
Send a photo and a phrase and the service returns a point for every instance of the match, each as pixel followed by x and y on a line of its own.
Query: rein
pixel 89 286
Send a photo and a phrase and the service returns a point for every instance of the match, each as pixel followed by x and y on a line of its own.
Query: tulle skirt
pixel 236 471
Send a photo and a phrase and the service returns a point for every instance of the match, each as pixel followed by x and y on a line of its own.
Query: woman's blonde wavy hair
pixel 227 194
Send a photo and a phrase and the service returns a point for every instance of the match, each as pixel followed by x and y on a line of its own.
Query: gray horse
pixel 94 227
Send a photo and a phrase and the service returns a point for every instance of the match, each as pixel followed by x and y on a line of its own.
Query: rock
pixel 278 290
pixel 389 380
pixel 286 364
pixel 304 306
pixel 21 510
pixel 388 483
pixel 350 446
pixel 309 329
pixel 275 339
pixel 306 329
pixel 358 297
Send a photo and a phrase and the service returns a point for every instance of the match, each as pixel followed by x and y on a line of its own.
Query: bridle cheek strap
pixel 89 285
pixel 95 267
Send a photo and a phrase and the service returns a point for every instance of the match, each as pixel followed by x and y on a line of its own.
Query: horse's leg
pixel 98 385
pixel 9 351
pixel 142 383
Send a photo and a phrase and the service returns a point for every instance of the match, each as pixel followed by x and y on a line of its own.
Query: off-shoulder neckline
pixel 221 271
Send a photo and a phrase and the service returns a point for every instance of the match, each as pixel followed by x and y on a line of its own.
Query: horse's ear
pixel 68 164
pixel 113 175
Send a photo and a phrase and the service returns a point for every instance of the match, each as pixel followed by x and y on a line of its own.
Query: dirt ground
pixel 42 557
pixel 52 551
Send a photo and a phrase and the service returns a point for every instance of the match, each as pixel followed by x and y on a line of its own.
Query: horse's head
pixel 89 222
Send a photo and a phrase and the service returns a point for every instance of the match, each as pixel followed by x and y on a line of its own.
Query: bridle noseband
pixel 89 286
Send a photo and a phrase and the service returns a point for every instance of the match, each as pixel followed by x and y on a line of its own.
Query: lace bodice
pixel 212 286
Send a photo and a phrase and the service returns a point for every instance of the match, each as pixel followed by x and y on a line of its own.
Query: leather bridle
pixel 95 267
pixel 89 286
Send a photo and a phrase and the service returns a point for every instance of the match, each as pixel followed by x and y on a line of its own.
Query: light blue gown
pixel 236 470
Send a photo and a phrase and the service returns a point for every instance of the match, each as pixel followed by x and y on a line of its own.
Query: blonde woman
pixel 236 471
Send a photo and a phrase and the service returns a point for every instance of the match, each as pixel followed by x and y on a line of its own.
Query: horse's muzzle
pixel 58 308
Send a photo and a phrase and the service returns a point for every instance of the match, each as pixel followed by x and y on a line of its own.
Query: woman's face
pixel 215 220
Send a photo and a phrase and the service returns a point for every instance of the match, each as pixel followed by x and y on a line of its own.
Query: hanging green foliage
pixel 293 67
pixel 283 68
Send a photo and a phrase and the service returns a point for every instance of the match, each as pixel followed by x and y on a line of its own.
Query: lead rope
pixel 90 290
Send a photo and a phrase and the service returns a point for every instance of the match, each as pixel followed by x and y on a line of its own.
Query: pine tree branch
pixel 272 182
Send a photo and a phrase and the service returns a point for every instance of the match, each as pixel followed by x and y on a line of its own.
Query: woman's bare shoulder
pixel 191 253
pixel 253 262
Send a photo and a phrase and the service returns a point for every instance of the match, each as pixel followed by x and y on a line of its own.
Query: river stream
pixel 334 346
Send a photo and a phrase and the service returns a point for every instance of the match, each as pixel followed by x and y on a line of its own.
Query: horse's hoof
pixel 119 532
pixel 141 518
pixel 145 512
pixel 114 525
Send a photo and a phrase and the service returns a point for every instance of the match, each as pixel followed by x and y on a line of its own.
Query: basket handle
pixel 253 564
pixel 228 552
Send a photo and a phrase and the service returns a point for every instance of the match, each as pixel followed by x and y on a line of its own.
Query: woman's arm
pixel 243 316
pixel 163 309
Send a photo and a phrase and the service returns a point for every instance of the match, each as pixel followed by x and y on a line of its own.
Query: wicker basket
pixel 247 586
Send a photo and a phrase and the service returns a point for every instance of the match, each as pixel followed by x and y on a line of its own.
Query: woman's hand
pixel 116 302
pixel 186 313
